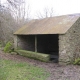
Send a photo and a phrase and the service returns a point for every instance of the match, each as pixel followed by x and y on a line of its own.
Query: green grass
pixel 10 70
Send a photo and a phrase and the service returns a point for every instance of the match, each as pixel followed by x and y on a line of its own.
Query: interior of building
pixel 47 44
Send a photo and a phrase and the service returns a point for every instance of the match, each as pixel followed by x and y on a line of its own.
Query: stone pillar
pixel 65 53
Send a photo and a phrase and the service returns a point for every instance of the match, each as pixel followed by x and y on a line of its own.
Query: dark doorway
pixel 49 44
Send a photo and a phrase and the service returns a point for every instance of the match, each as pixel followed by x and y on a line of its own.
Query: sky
pixel 60 7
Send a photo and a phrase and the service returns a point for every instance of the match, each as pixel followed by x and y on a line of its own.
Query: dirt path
pixel 69 72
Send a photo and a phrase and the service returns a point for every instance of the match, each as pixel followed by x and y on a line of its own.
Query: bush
pixel 34 55
pixel 77 61
pixel 8 47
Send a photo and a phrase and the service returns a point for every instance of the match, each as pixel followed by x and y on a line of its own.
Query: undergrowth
pixel 77 61
pixel 8 47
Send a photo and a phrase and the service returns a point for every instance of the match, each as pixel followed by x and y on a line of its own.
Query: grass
pixel 10 70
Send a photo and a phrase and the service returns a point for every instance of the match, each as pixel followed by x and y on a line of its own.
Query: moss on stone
pixel 34 55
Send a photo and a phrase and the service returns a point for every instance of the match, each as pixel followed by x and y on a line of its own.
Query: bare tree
pixel 18 10
pixel 8 15
pixel 7 25
pixel 46 13
pixel 15 7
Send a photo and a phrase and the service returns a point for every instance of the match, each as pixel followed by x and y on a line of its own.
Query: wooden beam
pixel 35 43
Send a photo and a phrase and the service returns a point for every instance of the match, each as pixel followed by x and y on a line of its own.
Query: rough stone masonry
pixel 69 44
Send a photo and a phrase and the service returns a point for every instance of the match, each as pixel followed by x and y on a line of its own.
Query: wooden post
pixel 35 43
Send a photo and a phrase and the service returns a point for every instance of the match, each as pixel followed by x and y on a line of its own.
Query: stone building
pixel 58 36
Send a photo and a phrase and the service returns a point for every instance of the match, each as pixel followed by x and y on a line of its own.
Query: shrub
pixel 8 47
pixel 77 61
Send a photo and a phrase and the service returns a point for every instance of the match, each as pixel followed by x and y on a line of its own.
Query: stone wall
pixel 69 44
pixel 26 42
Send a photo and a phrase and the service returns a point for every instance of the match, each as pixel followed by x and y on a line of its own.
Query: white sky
pixel 60 7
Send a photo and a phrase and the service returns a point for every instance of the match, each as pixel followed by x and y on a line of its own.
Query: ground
pixel 58 72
